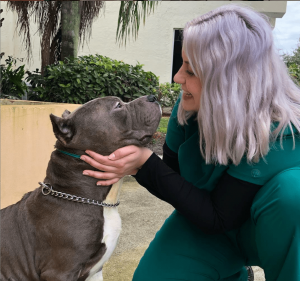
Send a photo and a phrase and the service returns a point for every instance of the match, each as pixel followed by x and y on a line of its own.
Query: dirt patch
pixel 121 267
pixel 157 143
pixel 158 139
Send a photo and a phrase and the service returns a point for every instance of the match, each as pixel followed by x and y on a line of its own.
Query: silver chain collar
pixel 48 190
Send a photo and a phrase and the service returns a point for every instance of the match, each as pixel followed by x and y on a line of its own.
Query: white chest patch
pixel 111 231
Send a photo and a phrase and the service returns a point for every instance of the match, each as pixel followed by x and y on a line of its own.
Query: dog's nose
pixel 151 98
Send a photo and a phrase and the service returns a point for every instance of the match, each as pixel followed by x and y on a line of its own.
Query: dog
pixel 68 227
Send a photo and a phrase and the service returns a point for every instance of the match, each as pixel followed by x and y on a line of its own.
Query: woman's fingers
pixel 122 152
pixel 114 180
pixel 108 182
pixel 103 163
pixel 106 178
pixel 125 161
pixel 100 175
pixel 97 165
pixel 98 157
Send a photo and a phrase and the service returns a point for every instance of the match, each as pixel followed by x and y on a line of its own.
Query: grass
pixel 163 124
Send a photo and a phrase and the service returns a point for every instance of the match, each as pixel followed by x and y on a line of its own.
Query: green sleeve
pixel 276 160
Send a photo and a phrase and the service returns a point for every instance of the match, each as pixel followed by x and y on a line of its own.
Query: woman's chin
pixel 189 105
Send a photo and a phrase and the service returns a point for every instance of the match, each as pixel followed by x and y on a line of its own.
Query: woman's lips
pixel 187 96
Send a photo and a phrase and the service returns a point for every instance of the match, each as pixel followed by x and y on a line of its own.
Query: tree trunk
pixel 45 47
pixel 46 35
pixel 70 15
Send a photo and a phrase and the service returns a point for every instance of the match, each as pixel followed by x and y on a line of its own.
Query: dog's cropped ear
pixel 66 113
pixel 63 129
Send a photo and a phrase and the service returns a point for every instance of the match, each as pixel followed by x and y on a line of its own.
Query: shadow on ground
pixel 142 216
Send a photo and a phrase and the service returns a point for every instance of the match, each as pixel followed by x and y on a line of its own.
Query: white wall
pixel 11 42
pixel 154 46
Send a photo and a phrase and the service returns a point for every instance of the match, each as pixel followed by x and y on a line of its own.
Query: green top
pixel 276 160
pixel 184 140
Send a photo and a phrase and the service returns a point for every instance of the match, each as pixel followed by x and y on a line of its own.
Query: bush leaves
pixel 84 78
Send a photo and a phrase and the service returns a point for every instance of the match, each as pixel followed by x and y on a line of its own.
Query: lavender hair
pixel 245 85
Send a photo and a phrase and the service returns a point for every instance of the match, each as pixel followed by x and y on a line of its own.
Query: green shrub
pixel 293 63
pixel 163 125
pixel 88 77
pixel 294 58
pixel 12 84
pixel 294 70
pixel 168 94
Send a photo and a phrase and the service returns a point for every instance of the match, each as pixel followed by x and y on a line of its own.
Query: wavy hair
pixel 245 85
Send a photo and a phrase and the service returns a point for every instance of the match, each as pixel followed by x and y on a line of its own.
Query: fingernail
pixel 82 158
pixel 112 156
pixel 98 183
pixel 87 152
pixel 86 173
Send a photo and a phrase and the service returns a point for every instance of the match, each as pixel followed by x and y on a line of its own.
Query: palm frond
pixel 89 12
pixel 22 8
pixel 130 15
pixel 47 14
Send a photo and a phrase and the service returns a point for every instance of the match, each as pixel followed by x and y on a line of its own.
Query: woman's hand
pixel 124 161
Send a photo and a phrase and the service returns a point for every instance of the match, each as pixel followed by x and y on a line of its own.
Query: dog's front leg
pixel 96 277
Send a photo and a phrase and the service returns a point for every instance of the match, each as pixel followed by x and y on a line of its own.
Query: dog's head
pixel 106 124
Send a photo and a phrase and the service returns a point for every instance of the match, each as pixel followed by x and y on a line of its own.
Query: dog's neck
pixel 74 151
pixel 64 174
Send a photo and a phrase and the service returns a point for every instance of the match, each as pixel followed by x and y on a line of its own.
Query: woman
pixel 231 163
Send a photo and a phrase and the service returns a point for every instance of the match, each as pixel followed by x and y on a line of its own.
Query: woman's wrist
pixel 146 153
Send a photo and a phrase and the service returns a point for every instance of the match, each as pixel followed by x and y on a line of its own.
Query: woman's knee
pixel 181 251
pixel 275 214
pixel 278 200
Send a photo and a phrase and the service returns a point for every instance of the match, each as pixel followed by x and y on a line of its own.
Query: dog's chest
pixel 111 232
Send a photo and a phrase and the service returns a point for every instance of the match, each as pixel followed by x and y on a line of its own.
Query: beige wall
pixel 154 47
pixel 27 141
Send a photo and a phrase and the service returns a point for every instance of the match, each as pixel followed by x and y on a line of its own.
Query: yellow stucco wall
pixel 27 141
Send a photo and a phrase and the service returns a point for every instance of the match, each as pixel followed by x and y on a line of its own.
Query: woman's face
pixel 190 85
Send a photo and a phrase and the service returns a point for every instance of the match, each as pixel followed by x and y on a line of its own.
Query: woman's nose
pixel 178 78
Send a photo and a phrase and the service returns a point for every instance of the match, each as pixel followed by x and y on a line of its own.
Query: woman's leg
pixel 180 251
pixel 275 228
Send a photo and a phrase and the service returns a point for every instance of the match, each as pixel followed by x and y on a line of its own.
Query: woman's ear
pixel 63 128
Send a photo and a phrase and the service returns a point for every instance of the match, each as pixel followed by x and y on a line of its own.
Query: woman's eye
pixel 189 72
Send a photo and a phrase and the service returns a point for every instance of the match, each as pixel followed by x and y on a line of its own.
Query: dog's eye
pixel 119 105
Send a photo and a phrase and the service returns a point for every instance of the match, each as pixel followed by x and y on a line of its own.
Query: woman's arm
pixel 225 208
pixel 171 159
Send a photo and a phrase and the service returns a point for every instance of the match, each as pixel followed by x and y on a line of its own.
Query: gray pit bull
pixel 51 239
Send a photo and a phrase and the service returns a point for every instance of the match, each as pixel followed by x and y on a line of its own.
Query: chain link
pixel 47 189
